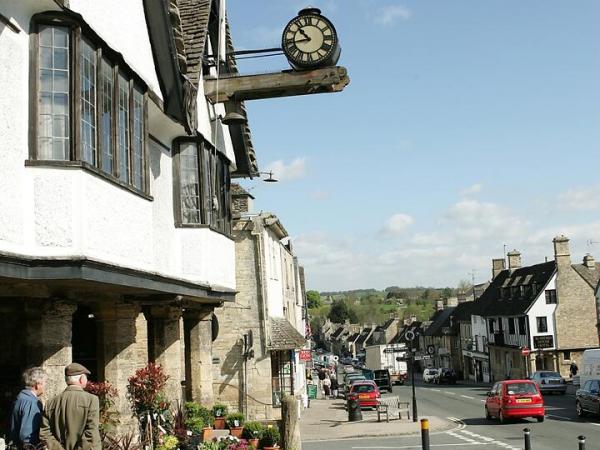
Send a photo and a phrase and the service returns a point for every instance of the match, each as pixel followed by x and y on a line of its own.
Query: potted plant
pixel 219 411
pixel 235 422
pixel 199 420
pixel 270 438
pixel 253 432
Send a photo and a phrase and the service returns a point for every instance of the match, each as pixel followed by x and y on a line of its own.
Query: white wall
pixel 539 309
pixel 479 330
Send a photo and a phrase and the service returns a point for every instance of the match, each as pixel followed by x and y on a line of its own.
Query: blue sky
pixel 467 126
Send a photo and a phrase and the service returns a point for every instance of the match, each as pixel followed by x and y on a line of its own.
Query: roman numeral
pixel 309 21
pixel 328 38
pixel 310 57
pixel 326 47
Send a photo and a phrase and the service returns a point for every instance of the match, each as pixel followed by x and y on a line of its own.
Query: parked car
pixel 512 399
pixel 351 379
pixel 587 399
pixel 366 392
pixel 445 375
pixel 550 381
pixel 383 379
pixel 429 374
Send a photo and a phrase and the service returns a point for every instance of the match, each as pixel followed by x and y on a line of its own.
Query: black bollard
pixel 425 434
pixel 527 436
pixel 581 442
pixel 354 412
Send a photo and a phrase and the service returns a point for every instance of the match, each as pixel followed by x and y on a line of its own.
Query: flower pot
pixel 253 442
pixel 236 431
pixel 206 434
pixel 271 448
pixel 219 423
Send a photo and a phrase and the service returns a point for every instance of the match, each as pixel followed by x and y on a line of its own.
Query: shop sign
pixel 305 355
pixel 546 341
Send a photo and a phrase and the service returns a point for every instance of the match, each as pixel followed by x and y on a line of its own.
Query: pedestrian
pixel 71 419
pixel 327 386
pixel 321 376
pixel 573 369
pixel 26 416
pixel 334 387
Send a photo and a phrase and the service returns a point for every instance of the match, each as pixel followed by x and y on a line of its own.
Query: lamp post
pixel 270 179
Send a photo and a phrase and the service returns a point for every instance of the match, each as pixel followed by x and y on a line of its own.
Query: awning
pixel 284 336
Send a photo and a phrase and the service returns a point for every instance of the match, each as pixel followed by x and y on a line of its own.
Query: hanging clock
pixel 309 41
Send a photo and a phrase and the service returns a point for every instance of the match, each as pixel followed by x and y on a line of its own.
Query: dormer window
pixel 88 106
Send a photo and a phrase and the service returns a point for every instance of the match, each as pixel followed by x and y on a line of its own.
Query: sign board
pixel 546 341
pixel 305 355
pixel 422 357
pixel 394 350
pixel 409 335
pixel 431 349
pixel 525 351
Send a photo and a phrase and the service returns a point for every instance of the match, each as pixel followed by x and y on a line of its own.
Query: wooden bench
pixel 392 405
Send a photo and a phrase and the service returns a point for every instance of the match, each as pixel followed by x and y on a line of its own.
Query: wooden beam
pixel 280 84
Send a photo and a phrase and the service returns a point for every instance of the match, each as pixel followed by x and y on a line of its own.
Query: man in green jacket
pixel 71 420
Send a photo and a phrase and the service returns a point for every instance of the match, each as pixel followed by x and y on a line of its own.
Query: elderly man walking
pixel 26 416
pixel 71 419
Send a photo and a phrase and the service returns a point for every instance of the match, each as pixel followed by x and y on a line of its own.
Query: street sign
pixel 394 350
pixel 305 355
pixel 409 335
pixel 422 357
pixel 431 349
pixel 525 351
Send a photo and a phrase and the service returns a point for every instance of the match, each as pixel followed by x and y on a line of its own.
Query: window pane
pixel 53 98
pixel 106 106
pixel 207 185
pixel 138 138
pixel 123 131
pixel 88 102
pixel 190 183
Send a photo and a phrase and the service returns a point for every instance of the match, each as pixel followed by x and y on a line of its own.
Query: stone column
pixel 198 352
pixel 122 349
pixel 165 346
pixel 47 334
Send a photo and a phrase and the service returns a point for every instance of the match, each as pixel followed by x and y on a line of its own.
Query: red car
pixel 515 399
pixel 366 392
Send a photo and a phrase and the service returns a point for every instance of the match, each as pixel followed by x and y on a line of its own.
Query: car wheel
pixel 488 416
pixel 501 417
pixel 540 419
pixel 579 409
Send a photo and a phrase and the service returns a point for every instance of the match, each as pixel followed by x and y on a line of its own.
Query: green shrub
pixel 235 420
pixel 197 417
pixel 220 410
pixel 253 430
pixel 270 436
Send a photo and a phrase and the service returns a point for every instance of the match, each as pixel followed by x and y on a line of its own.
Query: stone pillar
pixel 198 352
pixel 47 334
pixel 165 346
pixel 122 349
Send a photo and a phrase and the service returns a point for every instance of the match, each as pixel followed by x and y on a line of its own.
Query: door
pixel 592 397
pixel 493 403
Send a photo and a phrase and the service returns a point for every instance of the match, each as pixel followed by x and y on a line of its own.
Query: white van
pixel 590 366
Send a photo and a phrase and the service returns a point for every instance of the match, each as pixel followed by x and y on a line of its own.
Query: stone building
pixel 115 234
pixel 252 374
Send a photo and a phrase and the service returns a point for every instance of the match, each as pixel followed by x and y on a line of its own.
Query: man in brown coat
pixel 71 419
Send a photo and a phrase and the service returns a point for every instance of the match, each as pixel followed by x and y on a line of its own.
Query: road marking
pixel 467 396
pixel 436 390
pixel 449 393
pixel 482 401
pixel 560 417
pixel 457 444
pixel 592 423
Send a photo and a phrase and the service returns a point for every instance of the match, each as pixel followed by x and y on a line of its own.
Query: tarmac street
pixel 460 408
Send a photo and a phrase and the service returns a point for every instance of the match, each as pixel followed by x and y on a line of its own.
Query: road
pixel 464 405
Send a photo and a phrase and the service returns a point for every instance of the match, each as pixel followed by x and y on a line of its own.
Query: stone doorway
pixel 84 340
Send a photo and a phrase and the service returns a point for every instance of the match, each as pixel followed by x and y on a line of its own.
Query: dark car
pixel 382 379
pixel 446 375
pixel 549 381
pixel 587 399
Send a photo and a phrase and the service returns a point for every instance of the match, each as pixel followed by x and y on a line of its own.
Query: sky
pixel 468 127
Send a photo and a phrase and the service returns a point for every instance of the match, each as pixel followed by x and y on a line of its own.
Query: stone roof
pixel 591 276
pixel 441 321
pixel 237 190
pixel 194 16
pixel 364 335
pixel 284 336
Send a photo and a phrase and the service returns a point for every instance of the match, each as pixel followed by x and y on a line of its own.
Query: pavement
pixel 328 420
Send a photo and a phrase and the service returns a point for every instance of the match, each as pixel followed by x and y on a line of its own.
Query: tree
pixel 313 299
pixel 464 286
pixel 340 311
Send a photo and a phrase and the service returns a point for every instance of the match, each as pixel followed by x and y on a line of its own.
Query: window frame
pixel 538 321
pixel 207 218
pixel 550 295
pixel 522 322
pixel 511 326
pixel 78 32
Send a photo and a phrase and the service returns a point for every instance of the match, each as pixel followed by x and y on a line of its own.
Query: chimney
pixel 452 301
pixel 498 265
pixel 514 260
pixel 562 254
pixel 241 200
pixel 439 305
pixel 589 262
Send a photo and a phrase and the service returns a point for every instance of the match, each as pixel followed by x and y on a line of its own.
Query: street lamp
pixel 270 179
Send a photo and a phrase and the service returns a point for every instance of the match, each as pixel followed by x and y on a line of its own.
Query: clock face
pixel 310 41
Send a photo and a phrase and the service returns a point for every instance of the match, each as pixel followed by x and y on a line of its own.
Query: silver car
pixel 550 381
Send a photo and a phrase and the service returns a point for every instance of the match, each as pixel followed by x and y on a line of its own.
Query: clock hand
pixel 303 33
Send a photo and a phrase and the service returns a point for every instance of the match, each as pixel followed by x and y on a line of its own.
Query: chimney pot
pixel 514 260
pixel 589 262
pixel 498 265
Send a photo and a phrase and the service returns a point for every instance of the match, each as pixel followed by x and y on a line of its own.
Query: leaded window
pixel 203 186
pixel 90 106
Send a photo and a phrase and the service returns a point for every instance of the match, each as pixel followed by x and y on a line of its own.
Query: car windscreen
pixel 362 388
pixel 520 388
pixel 549 375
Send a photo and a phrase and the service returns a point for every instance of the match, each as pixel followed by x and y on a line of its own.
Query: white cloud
pixel 396 225
pixel 580 199
pixel 320 195
pixel 473 189
pixel 387 15
pixel 287 172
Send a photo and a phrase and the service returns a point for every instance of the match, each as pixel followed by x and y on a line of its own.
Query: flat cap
pixel 76 369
